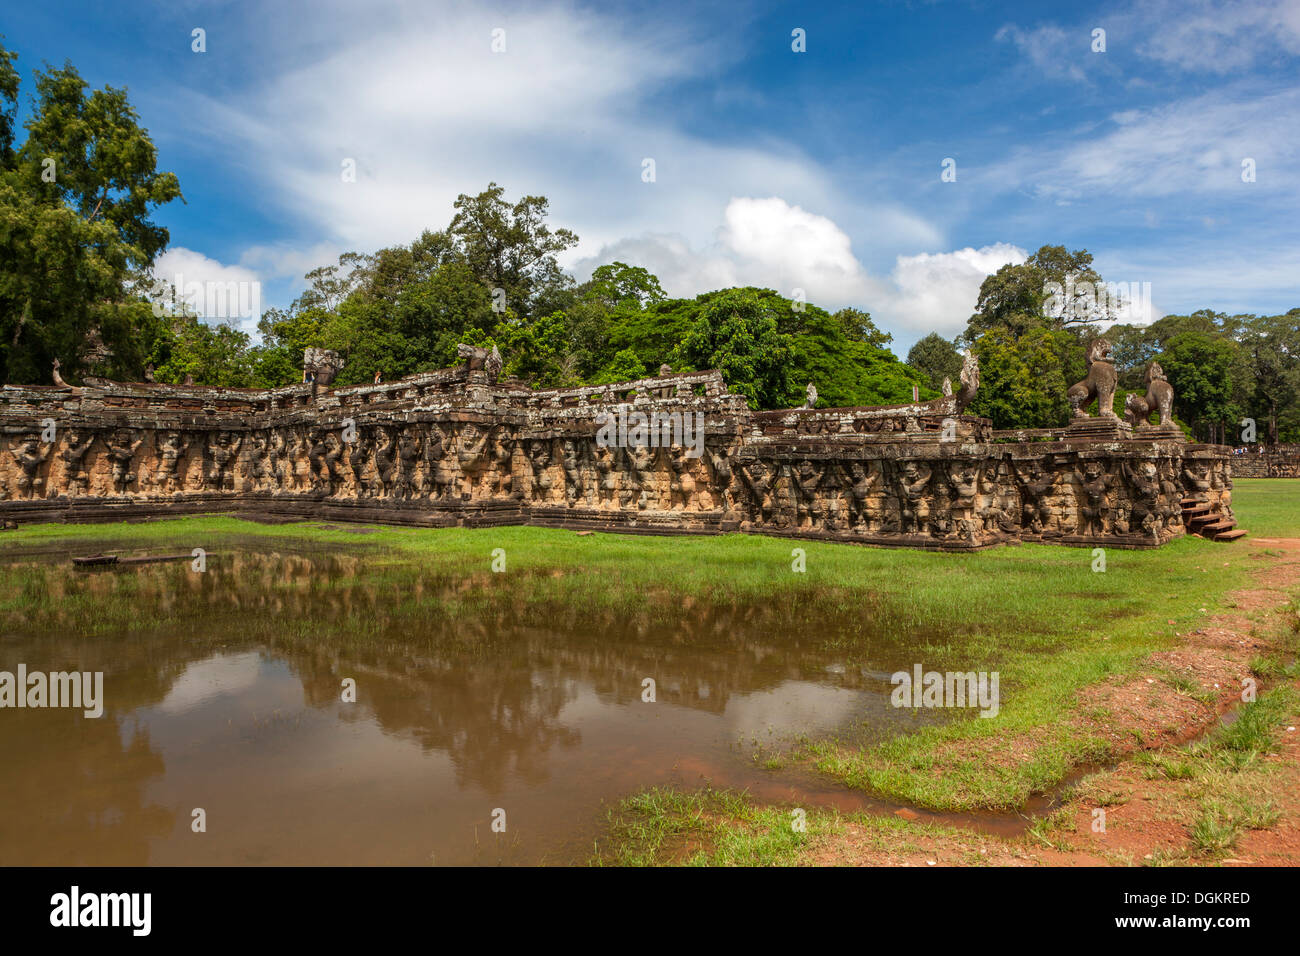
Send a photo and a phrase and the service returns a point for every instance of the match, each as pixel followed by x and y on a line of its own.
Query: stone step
pixel 1211 530
pixel 1232 535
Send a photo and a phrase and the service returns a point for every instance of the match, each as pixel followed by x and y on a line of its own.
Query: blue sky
pixel 817 170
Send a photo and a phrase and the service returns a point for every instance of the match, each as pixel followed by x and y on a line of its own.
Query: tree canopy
pixel 75 232
pixel 1031 337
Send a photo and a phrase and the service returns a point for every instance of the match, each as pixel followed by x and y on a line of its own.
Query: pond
pixel 230 692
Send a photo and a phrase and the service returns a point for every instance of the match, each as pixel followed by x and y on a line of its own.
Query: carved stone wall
pixel 458 447
pixel 1278 461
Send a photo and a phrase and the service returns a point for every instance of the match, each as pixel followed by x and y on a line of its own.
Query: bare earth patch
pixel 1178 696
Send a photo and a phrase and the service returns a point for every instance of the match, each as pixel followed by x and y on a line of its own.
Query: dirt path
pixel 1156 806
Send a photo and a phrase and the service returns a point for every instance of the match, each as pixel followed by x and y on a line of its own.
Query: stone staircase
pixel 1199 519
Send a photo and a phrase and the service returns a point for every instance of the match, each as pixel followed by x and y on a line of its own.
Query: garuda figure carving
pixel 222 449
pixel 171 450
pixel 912 502
pixel 122 447
pixel 74 460
pixel 1094 509
pixel 29 456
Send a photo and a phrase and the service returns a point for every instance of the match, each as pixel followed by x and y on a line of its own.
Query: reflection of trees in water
pixel 73 793
pixel 468 665
pixel 73 789
pixel 385 607
pixel 491 723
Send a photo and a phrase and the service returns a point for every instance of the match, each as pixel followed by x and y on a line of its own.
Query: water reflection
pixel 224 692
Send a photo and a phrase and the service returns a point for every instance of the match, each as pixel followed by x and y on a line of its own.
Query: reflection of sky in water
pixel 217 676
pixel 548 725
pixel 286 780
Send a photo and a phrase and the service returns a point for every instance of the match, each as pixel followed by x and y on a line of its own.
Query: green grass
pixel 1230 780
pixel 1267 507
pixel 707 827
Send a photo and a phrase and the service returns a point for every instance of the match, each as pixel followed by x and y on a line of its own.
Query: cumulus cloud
pixel 215 291
pixel 424 109
pixel 768 242
pixel 936 292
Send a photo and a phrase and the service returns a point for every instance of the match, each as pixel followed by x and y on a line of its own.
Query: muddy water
pixel 224 692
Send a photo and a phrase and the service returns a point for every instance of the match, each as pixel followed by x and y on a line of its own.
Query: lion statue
pixel 1159 397
pixel 970 381
pixel 480 359
pixel 1100 384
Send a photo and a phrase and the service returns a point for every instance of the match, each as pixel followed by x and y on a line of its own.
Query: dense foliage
pixel 1032 346
pixel 75 198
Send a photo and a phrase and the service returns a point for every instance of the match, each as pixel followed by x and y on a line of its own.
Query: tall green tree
pixel 736 333
pixel 1271 348
pixel 509 246
pixel 1023 378
pixel 75 232
pixel 935 358
pixel 1200 367
pixel 621 287
pixel 1049 288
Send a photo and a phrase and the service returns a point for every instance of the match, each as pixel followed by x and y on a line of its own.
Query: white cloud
pixel 203 681
pixel 1217 37
pixel 1051 50
pixel 569 111
pixel 217 292
pixel 287 261
pixel 771 244
pixel 1193 36
pixel 937 292
pixel 1190 146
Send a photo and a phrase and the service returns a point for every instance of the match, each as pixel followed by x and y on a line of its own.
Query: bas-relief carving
pixel 449 445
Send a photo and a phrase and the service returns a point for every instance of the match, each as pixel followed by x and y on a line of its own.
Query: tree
pixel 75 236
pixel 1052 287
pixel 621 287
pixel 1023 378
pixel 936 359
pixel 736 333
pixel 210 354
pixel 859 326
pixel 1271 348
pixel 626 366
pixel 510 246
pixel 536 350
pixel 1199 367
pixel 9 83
